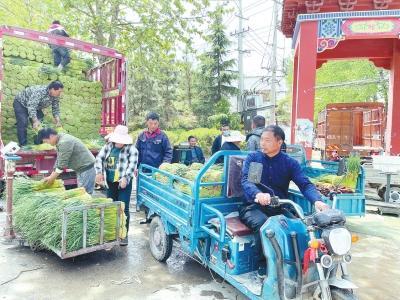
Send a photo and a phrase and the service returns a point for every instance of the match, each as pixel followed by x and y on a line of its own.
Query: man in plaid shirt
pixel 30 102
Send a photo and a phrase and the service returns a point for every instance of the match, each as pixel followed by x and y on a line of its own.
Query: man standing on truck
pixel 60 54
pixel 29 103
pixel 253 138
pixel 153 144
pixel 278 170
pixel 71 154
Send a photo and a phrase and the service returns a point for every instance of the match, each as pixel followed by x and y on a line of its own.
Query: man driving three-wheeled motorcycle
pixel 252 236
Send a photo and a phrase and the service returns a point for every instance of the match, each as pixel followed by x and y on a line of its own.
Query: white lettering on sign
pixel 95 50
pixel 19 32
pixel 43 38
pixel 118 55
pixel 70 44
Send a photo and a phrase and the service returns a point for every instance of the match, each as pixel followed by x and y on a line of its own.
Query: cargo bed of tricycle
pixel 352 204
pixel 187 215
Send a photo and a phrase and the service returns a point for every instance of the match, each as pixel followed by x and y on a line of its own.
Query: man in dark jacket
pixel 153 144
pixel 231 141
pixel 277 172
pixel 217 144
pixel 60 54
pixel 253 138
pixel 29 105
pixel 194 154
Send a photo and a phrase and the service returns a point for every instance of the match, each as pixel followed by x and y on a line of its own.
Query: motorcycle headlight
pixel 338 240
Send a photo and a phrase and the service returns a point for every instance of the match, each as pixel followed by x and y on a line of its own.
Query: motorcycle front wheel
pixel 343 294
pixel 336 294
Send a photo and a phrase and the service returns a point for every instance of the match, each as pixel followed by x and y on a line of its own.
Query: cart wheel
pixel 160 242
pixel 35 247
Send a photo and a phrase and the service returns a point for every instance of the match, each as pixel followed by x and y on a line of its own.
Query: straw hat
pixel 120 135
pixel 233 136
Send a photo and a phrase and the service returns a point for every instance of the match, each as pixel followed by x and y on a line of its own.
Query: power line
pixel 254 5
pixel 257 41
pixel 350 83
pixel 259 12
pixel 255 47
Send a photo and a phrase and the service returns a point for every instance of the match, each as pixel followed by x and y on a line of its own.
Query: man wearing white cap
pixel 231 140
pixel 115 166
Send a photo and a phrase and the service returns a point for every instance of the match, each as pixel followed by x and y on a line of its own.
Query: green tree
pixel 214 83
pixel 148 32
pixel 32 14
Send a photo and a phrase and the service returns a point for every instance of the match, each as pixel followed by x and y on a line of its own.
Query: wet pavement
pixel 121 273
pixel 132 273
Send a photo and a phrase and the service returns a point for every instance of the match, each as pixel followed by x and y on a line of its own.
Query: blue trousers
pixel 61 56
pixel 87 179
pixel 22 118
pixel 123 195
pixel 254 216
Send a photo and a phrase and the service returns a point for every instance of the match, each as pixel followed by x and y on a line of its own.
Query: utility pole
pixel 240 58
pixel 274 61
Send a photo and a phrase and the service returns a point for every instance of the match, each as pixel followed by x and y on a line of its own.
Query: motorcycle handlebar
pixel 295 206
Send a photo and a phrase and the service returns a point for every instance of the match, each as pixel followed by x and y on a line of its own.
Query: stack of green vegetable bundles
pixel 30 63
pixel 214 174
pixel 38 213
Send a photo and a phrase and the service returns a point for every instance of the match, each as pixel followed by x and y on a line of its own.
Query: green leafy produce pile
pixel 38 211
pixel 214 174
pixel 345 184
pixel 29 63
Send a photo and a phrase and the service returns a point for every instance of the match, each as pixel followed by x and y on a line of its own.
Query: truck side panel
pixel 339 130
pixel 373 128
pixel 347 127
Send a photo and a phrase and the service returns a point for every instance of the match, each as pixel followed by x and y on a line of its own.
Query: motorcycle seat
pixel 235 227
pixel 329 217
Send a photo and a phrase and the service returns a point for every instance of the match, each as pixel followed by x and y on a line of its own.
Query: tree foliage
pixel 214 80
pixel 32 14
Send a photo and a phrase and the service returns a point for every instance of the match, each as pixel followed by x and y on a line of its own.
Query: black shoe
pixel 124 242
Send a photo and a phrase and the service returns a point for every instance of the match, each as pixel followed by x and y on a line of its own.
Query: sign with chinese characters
pixel 371 27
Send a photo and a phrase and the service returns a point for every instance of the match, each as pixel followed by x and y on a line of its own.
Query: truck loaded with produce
pixel 88 102
pixel 86 98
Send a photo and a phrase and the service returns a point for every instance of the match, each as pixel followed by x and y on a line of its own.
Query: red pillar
pixel 393 120
pixel 305 90
pixel 294 98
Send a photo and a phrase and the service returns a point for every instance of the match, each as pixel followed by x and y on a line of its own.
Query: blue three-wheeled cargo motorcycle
pixel 306 256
